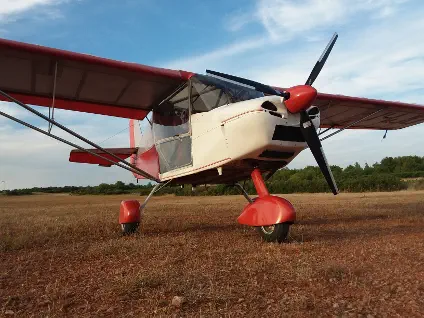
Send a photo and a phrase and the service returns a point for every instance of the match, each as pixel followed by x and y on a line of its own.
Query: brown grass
pixel 350 255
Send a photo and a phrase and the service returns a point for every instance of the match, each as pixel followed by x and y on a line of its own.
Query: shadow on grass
pixel 195 228
pixel 356 233
pixel 350 219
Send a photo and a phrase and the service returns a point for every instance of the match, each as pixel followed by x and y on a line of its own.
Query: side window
pixel 206 97
pixel 171 118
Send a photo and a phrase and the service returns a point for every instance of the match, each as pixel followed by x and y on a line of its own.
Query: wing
pixel 84 157
pixel 338 111
pixel 34 74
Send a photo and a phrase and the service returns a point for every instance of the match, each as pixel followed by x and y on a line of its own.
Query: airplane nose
pixel 301 98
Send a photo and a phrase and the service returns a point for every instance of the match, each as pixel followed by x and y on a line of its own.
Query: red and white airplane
pixel 204 129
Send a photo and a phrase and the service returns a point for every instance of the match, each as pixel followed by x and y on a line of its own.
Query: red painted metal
pixel 336 99
pixel 132 133
pixel 156 82
pixel 259 183
pixel 79 57
pixel 148 161
pixel 362 100
pixel 85 107
pixel 301 98
pixel 85 157
pixel 266 209
pixel 129 212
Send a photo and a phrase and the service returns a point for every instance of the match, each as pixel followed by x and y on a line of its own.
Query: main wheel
pixel 274 233
pixel 129 228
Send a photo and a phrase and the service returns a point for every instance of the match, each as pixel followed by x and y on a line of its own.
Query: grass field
pixel 359 255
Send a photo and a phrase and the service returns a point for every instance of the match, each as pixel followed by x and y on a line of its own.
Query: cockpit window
pixel 207 97
pixel 171 117
pixel 209 93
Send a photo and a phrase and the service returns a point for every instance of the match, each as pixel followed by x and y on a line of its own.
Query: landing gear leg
pixel 131 213
pixel 270 215
pixel 244 192
pixel 150 195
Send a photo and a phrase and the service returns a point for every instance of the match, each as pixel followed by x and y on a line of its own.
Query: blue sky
pixel 379 54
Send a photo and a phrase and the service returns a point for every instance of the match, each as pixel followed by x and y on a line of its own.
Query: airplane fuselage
pixel 228 142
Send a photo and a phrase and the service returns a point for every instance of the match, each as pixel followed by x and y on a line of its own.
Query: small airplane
pixel 202 129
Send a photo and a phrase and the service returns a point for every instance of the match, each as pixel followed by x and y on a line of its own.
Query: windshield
pixel 171 117
pixel 210 92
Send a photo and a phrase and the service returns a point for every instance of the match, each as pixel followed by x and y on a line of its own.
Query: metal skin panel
pixel 129 212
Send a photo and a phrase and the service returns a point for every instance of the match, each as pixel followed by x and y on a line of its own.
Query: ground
pixel 349 255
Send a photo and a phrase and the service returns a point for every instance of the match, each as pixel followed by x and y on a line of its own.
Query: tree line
pixel 390 174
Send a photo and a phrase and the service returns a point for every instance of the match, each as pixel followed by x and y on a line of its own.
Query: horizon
pixel 147 182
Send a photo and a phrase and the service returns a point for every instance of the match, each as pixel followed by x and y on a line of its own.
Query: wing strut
pixel 51 109
pixel 350 125
pixel 51 121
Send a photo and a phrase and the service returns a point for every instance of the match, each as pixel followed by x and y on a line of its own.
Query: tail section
pixel 146 158
pixel 135 133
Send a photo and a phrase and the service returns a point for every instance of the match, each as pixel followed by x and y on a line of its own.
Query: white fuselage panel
pixel 240 131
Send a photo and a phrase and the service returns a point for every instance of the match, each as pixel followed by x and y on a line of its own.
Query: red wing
pixel 83 82
pixel 85 157
pixel 339 111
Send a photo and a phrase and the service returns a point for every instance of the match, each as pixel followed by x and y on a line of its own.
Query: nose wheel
pixel 270 215
pixel 129 228
pixel 274 233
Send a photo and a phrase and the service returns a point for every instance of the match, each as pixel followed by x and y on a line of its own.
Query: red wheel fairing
pixel 129 212
pixel 267 210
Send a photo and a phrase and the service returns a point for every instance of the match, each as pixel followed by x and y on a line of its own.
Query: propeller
pixel 311 137
pixel 321 61
pixel 307 127
pixel 298 99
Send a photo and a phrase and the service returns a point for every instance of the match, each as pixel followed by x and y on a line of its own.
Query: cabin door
pixel 172 131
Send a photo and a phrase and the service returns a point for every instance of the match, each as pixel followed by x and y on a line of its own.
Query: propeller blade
pixel 320 63
pixel 312 139
pixel 266 89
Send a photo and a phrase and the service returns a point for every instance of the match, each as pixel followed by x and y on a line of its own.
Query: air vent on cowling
pixel 269 106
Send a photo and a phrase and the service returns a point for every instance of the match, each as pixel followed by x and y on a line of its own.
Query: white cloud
pixel 9 9
pixel 11 109
pixel 197 63
pixel 30 159
pixel 285 18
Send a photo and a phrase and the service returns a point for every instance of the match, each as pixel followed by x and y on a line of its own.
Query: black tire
pixel 274 233
pixel 129 228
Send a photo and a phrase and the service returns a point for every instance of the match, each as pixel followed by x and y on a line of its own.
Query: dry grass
pixel 350 255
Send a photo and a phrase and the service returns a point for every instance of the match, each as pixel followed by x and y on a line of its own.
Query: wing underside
pixel 339 111
pixel 44 76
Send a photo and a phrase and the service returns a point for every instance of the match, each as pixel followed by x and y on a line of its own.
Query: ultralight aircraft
pixel 203 129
